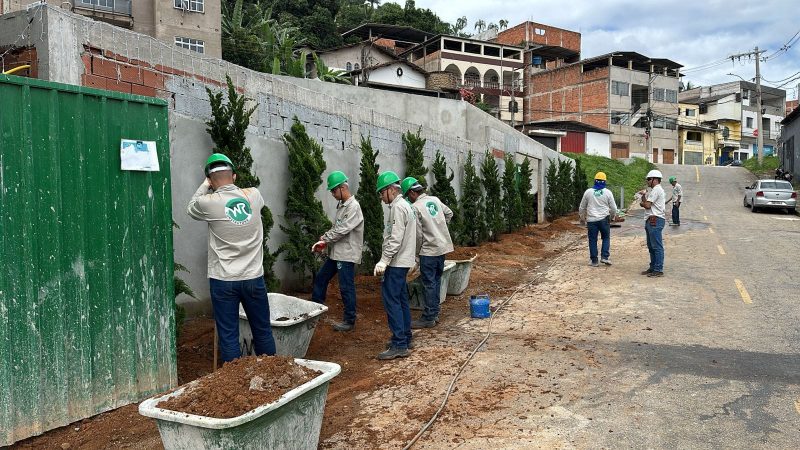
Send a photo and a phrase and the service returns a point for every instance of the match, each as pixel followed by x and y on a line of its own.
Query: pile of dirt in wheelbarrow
pixel 240 386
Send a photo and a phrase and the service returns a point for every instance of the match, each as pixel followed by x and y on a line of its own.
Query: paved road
pixel 705 357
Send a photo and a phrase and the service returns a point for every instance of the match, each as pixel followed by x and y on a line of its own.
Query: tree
pixel 494 203
pixel 493 26
pixel 503 24
pixel 305 218
pixel 325 73
pixel 227 127
pixel 414 145
pixel 565 186
pixel 371 206
pixel 578 182
pixel 551 206
pixel 443 188
pixel 472 205
pixel 512 205
pixel 480 25
pixel 526 197
pixel 458 28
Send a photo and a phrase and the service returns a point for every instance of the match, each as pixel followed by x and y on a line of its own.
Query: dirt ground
pixel 499 268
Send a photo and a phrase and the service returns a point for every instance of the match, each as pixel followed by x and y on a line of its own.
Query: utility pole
pixel 759 119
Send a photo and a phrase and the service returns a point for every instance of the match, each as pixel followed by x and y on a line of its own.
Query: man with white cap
pixel 653 202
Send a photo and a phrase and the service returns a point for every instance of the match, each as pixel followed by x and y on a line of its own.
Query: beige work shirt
pixel 235 234
pixel 346 238
pixel 433 236
pixel 400 235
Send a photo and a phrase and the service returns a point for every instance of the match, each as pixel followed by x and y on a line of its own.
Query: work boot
pixel 654 274
pixel 605 261
pixel 343 326
pixel 418 324
pixel 647 272
pixel 410 345
pixel 393 353
pixel 436 319
pixel 594 264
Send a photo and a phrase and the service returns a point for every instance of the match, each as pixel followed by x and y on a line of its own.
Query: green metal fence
pixel 86 269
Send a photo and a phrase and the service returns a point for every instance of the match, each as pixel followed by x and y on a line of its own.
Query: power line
pixel 785 48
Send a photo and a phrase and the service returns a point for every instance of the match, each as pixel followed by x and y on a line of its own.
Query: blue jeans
pixel 676 214
pixel 225 298
pixel 604 229
pixel 655 244
pixel 347 285
pixel 431 268
pixel 394 293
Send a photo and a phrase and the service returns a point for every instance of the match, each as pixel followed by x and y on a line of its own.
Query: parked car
pixel 733 162
pixel 770 194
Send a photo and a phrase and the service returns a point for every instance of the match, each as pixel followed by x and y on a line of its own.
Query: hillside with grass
pixel 619 174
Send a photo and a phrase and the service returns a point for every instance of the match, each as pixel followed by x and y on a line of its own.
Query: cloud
pixel 690 33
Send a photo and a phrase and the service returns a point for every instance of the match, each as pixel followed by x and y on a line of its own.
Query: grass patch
pixel 767 168
pixel 631 176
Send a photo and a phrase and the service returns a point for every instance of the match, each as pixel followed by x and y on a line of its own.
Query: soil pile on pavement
pixel 240 386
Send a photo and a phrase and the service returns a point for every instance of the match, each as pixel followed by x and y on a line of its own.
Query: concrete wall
pixel 598 144
pixel 388 75
pixel 335 115
pixel 338 59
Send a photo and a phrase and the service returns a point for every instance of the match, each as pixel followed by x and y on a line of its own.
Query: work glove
pixel 379 268
pixel 319 246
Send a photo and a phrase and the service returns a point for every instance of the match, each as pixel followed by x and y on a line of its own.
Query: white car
pixel 770 194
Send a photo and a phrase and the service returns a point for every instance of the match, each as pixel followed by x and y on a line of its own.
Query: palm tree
pixel 492 26
pixel 373 3
pixel 503 24
pixel 480 25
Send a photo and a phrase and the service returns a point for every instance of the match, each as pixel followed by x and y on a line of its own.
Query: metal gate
pixel 693 158
pixel 86 289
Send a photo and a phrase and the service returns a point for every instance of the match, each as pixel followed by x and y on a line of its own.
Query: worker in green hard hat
pixel 235 256
pixel 397 257
pixel 433 243
pixel 344 243
pixel 677 200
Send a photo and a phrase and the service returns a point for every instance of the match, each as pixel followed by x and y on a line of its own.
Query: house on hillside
pixel 633 96
pixel 191 24
pixel 731 108
pixel 790 138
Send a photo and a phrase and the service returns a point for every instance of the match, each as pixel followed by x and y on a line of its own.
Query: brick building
pixel 191 24
pixel 613 92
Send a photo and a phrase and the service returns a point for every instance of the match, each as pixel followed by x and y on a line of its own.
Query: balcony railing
pixel 517 87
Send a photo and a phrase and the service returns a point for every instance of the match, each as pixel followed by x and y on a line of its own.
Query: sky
pixel 692 33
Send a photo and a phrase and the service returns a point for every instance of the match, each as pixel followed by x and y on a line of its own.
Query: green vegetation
pixel 494 203
pixel 472 205
pixel 766 168
pixel 443 189
pixel 525 195
pixel 512 203
pixel 414 145
pixel 630 176
pixel 305 219
pixel 371 207
pixel 229 121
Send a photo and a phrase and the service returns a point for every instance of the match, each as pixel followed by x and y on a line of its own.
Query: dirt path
pixel 370 402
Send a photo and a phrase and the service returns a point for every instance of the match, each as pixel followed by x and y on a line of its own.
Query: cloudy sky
pixel 692 33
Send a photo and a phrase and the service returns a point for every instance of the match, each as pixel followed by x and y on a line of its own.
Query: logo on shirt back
pixel 432 208
pixel 238 211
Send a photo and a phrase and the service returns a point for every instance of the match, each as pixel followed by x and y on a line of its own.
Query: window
pixel 356 66
pixel 749 122
pixel 106 3
pixel 491 51
pixel 690 112
pixel 539 31
pixel 672 96
pixel 745 93
pixel 694 136
pixel 671 124
pixel 188 5
pixel 619 88
pixel 703 108
pixel 659 122
pixel 349 66
pixel 513 107
pixel 619 118
pixel 195 45
pixel 658 94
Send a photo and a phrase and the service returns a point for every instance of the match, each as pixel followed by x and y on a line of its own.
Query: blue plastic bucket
pixel 479 306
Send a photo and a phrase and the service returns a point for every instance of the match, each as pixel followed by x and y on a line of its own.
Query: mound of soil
pixel 240 386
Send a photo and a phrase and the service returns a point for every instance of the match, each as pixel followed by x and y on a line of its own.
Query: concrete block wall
pixel 96 54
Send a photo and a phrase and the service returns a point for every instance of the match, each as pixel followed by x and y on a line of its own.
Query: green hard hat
pixel 408 183
pixel 386 179
pixel 217 158
pixel 335 179
pixel 671 179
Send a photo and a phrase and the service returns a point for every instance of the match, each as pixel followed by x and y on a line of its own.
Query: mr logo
pixel 432 208
pixel 238 211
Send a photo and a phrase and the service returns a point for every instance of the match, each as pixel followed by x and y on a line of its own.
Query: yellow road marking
pixel 743 292
pixel 721 250
pixel 705 218
pixel 711 230
pixel 697 171
pixel 797 406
